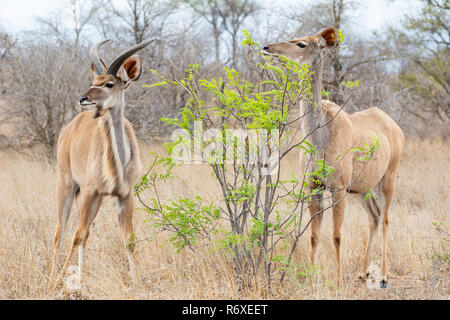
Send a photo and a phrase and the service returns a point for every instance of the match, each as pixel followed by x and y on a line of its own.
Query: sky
pixel 20 15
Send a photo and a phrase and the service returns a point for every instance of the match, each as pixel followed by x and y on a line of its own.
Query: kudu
pixel 98 156
pixel 334 143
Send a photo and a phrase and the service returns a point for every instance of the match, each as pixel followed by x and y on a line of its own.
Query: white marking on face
pixel 107 102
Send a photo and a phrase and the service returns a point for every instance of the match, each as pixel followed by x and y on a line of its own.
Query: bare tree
pixel 224 16
pixel 234 13
pixel 42 95
pixel 425 45
pixel 210 12
pixel 140 19
pixel 7 43
pixel 80 12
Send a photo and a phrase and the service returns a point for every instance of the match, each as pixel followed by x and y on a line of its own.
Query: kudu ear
pixel 328 38
pixel 94 71
pixel 132 68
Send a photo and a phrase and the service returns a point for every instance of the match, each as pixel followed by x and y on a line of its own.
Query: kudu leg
pixel 315 206
pixel 87 201
pixel 338 218
pixel 373 211
pixel 126 210
pixel 65 194
pixel 388 189
pixel 93 213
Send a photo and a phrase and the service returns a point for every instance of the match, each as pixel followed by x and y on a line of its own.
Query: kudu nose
pixel 83 99
pixel 266 48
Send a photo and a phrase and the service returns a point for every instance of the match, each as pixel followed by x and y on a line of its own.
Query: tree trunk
pixel 338 9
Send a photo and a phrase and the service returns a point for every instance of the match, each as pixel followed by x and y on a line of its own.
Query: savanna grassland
pixel 418 235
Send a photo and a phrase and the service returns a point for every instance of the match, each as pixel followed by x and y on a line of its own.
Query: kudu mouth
pixel 85 103
pixel 266 51
pixel 92 105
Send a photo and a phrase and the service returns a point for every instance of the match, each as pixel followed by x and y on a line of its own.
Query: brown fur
pixel 89 162
pixel 330 36
pixel 84 147
pixel 344 132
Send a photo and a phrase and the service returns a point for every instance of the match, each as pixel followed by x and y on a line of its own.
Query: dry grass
pixel 27 216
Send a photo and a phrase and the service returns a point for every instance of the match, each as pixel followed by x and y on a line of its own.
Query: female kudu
pixel 343 132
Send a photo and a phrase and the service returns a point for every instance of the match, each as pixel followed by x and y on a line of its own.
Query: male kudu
pixel 98 156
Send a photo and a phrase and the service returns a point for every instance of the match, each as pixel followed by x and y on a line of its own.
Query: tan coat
pixel 335 142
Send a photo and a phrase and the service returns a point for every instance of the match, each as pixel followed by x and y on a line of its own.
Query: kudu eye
pixel 109 85
pixel 301 44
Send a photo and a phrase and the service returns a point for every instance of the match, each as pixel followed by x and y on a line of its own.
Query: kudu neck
pixel 116 121
pixel 118 111
pixel 316 84
pixel 314 115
